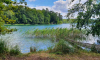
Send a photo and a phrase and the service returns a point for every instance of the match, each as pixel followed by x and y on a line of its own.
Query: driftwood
pixel 87 45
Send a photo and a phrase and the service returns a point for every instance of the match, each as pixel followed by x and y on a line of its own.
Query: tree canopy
pixel 6 7
pixel 26 15
pixel 87 12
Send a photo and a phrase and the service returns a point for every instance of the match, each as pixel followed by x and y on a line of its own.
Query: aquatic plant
pixel 57 34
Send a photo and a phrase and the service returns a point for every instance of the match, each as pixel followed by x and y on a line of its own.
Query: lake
pixel 25 42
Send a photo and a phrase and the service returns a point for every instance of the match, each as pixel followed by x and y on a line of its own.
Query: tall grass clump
pixel 93 49
pixel 33 49
pixel 4 49
pixel 14 51
pixel 62 48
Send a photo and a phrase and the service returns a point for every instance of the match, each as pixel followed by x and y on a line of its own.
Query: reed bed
pixel 57 34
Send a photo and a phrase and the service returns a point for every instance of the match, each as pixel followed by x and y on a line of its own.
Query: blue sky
pixel 60 6
pixel 41 2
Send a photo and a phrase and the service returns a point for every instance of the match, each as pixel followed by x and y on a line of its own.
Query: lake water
pixel 24 42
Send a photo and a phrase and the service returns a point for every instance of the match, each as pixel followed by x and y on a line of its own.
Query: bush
pixel 62 48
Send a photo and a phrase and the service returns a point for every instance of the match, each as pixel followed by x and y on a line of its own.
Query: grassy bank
pixel 16 24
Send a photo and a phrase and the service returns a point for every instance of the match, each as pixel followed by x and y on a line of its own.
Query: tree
pixel 47 19
pixel 40 16
pixel 3 18
pixel 90 10
pixel 24 19
pixel 46 16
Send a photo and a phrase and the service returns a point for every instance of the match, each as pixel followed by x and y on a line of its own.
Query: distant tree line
pixel 25 15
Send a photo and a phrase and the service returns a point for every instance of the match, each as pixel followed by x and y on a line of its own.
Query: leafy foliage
pixel 87 12
pixel 26 15
pixel 6 15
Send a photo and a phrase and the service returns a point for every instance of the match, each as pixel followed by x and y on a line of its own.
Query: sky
pixel 60 6
pixel 53 5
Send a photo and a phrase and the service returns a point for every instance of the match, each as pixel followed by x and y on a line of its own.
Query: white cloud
pixel 43 7
pixel 60 6
pixel 32 0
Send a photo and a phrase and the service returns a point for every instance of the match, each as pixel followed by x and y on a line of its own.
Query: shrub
pixel 4 49
pixel 62 48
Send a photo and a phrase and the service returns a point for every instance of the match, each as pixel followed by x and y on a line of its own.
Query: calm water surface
pixel 24 42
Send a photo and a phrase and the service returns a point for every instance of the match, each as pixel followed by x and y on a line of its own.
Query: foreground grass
pixel 44 55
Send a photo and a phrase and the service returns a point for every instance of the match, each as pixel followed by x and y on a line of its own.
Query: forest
pixel 25 15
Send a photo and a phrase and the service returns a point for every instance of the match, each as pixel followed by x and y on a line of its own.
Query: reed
pixel 57 34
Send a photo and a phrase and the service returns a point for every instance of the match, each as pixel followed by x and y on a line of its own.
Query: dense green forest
pixel 26 15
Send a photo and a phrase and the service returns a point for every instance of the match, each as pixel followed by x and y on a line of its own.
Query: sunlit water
pixel 24 42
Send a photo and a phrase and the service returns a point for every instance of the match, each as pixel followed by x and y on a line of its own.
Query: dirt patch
pixel 28 58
